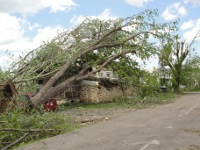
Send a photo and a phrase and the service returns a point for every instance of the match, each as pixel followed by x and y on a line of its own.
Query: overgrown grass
pixel 131 102
pixel 148 101
pixel 17 122
pixel 195 89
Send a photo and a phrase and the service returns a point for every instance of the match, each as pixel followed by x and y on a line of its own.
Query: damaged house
pixel 104 86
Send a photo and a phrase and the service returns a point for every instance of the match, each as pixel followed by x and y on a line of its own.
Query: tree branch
pixel 81 77
pixel 15 142
pixel 106 62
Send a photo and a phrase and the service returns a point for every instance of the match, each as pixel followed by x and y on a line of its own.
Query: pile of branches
pixel 25 134
pixel 17 128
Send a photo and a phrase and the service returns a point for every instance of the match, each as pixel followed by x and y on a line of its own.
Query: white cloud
pixel 194 2
pixel 45 34
pixel 27 7
pixel 60 5
pixel 4 61
pixel 13 38
pixel 76 20
pixel 24 45
pixel 189 35
pixel 10 28
pixel 174 11
pixel 105 15
pixel 13 30
pixel 187 25
pixel 137 3
pixel 182 11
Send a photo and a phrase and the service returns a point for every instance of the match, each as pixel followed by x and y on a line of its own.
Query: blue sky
pixel 25 24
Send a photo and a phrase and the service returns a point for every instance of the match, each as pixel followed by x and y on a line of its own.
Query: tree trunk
pixel 175 86
pixel 177 78
pixel 49 91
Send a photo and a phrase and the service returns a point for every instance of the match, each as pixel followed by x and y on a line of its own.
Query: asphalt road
pixel 174 126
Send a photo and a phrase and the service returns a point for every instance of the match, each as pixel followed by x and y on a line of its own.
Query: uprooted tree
pixel 173 54
pixel 79 53
pixel 7 91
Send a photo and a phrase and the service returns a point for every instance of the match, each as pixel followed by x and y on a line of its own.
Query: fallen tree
pixel 77 54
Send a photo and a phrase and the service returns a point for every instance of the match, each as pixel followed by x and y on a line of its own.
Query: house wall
pixel 98 94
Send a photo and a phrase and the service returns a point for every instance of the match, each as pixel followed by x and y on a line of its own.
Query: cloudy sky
pixel 25 24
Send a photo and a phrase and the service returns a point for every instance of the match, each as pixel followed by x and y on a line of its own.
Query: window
pixel 108 74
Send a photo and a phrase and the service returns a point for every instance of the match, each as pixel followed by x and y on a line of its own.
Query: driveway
pixel 174 126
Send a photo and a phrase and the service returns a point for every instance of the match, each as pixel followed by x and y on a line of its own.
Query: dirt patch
pixel 191 147
pixel 194 147
pixel 93 115
pixel 192 131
